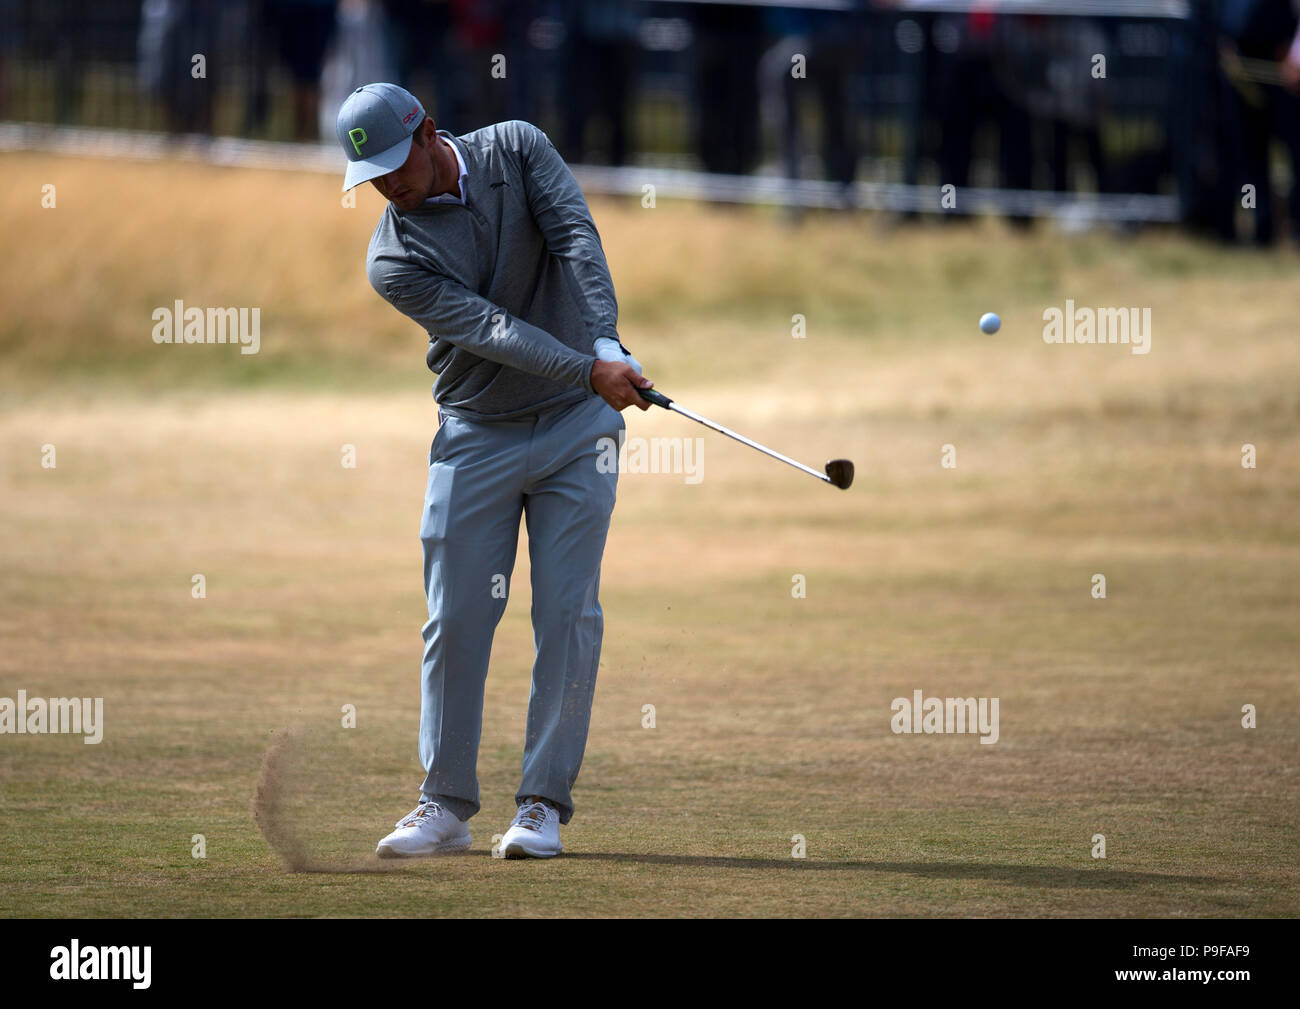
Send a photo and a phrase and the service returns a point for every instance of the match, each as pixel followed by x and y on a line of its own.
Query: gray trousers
pixel 482 477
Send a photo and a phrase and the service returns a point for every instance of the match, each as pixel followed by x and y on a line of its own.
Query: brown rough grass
pixel 1118 716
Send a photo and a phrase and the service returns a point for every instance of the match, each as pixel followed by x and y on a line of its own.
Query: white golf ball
pixel 990 323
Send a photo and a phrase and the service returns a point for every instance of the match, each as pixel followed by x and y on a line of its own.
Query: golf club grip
pixel 657 398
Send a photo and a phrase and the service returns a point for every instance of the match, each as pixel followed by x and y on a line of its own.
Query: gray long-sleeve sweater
pixel 512 287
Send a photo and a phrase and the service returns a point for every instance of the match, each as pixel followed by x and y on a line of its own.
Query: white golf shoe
pixel 428 829
pixel 534 832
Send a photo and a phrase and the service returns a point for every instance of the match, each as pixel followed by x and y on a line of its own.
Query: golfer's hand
pixel 617 384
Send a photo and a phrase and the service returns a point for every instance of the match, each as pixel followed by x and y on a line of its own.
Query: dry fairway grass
pixel 1119 717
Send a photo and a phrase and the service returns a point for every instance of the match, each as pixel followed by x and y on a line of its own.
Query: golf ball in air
pixel 990 323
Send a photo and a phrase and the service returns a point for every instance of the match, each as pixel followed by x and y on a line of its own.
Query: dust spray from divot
pixel 281 825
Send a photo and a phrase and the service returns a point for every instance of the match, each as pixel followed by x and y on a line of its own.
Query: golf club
pixel 839 472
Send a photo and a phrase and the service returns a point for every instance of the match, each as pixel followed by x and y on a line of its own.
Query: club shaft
pixel 746 441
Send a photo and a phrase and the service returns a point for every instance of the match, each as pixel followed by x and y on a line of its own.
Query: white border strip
pixel 668 183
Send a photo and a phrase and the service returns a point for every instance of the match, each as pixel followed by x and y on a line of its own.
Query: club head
pixel 840 473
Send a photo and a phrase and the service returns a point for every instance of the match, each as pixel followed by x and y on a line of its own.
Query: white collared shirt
pixel 464 174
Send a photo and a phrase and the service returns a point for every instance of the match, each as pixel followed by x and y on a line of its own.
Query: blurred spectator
pixel 456 44
pixel 419 33
pixel 300 31
pixel 1071 103
pixel 492 63
pixel 728 40
pixel 600 69
pixel 831 44
pixel 475 98
pixel 971 90
pixel 53 32
pixel 1264 30
pixel 445 51
pixel 359 54
pixel 1201 105
pixel 11 41
pixel 172 34
pixel 944 88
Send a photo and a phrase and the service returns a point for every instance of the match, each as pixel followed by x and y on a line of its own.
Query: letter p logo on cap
pixel 374 128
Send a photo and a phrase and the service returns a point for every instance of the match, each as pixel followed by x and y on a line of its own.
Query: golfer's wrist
pixel 611 349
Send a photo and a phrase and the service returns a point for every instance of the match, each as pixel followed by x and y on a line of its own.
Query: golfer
pixel 488 244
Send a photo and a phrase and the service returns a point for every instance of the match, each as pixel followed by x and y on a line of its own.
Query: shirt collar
pixel 464 174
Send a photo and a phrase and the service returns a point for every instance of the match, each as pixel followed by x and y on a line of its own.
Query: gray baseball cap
pixel 375 126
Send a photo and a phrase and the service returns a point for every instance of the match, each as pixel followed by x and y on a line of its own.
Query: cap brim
pixel 381 164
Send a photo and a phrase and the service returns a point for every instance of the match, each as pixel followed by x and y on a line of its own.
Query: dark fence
pixel 1091 96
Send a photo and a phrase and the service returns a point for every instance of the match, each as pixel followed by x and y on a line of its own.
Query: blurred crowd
pixel 1204 104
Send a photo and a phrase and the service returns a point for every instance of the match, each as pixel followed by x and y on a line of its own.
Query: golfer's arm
pixel 453 313
pixel 561 212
